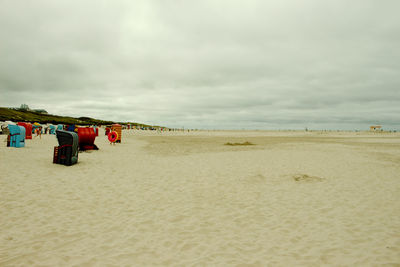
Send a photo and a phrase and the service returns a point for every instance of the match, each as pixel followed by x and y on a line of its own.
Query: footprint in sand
pixel 307 178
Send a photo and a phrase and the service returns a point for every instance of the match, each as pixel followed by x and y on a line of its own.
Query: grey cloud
pixel 205 64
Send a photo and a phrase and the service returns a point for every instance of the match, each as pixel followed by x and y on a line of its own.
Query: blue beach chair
pixel 71 128
pixel 52 129
pixel 16 136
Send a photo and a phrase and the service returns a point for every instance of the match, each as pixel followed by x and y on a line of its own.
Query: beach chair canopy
pixel 68 138
pixel 14 129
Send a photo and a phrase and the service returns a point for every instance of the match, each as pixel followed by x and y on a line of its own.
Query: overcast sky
pixel 280 64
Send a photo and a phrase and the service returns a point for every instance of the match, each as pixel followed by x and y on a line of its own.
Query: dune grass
pixel 8 114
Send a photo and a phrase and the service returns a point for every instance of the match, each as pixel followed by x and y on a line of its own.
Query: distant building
pixel 375 128
pixel 24 107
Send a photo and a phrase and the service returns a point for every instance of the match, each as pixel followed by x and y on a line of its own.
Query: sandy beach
pixel 186 199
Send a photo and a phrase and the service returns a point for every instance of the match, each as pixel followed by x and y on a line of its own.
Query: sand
pixel 186 199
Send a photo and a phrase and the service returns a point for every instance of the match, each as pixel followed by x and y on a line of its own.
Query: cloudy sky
pixel 268 64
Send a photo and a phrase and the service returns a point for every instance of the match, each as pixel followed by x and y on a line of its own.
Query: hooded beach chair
pixel 86 138
pixel 71 128
pixel 16 138
pixel 118 129
pixel 67 151
pixel 52 129
pixel 28 129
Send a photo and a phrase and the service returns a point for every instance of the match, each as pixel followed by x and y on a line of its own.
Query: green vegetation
pixel 16 115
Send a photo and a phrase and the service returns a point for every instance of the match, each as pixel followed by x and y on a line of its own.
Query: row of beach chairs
pixel 70 142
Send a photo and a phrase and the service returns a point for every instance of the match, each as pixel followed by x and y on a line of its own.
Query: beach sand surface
pixel 186 199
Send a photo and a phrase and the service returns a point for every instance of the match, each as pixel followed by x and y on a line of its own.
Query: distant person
pixel 38 132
